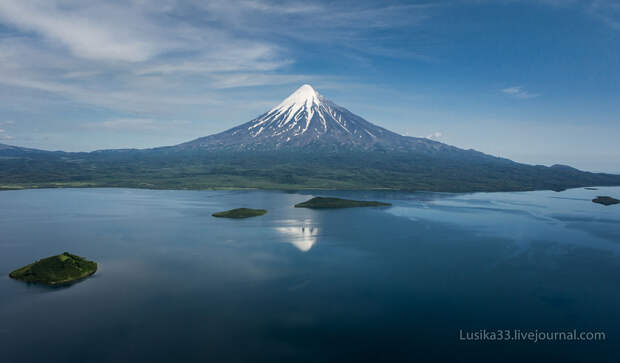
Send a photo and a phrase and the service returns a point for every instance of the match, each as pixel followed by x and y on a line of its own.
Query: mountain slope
pixel 307 121
pixel 306 141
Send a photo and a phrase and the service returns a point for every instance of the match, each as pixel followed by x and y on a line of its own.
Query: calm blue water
pixel 373 284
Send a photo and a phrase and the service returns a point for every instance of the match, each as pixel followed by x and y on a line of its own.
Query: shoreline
pixel 57 283
pixel 5 188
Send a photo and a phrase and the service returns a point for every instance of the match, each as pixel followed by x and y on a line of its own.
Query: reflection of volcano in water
pixel 302 237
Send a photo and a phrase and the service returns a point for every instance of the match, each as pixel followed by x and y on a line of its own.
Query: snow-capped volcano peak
pixel 304 96
pixel 299 105
pixel 294 114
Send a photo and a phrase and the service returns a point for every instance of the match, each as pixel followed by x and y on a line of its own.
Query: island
pixel 59 269
pixel 590 188
pixel 240 213
pixel 605 200
pixel 324 202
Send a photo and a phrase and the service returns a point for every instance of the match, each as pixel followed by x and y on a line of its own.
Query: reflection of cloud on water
pixel 303 237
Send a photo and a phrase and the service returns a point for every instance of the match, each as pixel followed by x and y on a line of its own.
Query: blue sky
pixel 534 81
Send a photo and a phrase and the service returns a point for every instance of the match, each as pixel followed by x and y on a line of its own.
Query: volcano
pixel 306 141
pixel 306 120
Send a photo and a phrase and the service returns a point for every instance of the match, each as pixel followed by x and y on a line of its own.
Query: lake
pixel 400 283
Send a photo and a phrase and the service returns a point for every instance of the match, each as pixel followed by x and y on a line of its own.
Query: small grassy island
pixel 240 213
pixel 55 270
pixel 323 202
pixel 606 200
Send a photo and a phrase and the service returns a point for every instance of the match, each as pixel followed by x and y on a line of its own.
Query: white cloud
pixel 293 8
pixel 232 57
pixel 129 56
pixel 252 79
pixel 136 32
pixel 607 11
pixel 95 32
pixel 519 92
pixel 136 124
pixel 434 136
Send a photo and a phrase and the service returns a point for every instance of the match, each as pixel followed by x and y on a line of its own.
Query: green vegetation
pixel 154 169
pixel 54 270
pixel 240 213
pixel 9 187
pixel 605 200
pixel 322 202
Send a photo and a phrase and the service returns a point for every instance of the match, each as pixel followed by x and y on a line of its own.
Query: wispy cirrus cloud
pixel 137 124
pixel 607 11
pixel 95 32
pixel 519 92
pixel 117 54
pixel 136 56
